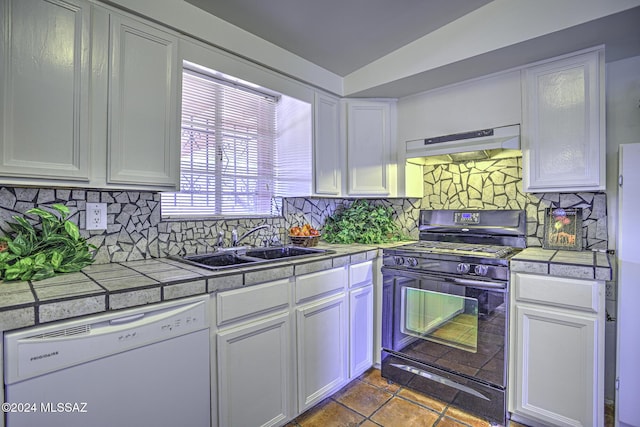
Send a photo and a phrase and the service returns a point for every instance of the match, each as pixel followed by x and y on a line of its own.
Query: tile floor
pixel 370 401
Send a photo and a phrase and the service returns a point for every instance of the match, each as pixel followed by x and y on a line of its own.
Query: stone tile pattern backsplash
pixel 136 229
pixel 132 218
pixel 497 184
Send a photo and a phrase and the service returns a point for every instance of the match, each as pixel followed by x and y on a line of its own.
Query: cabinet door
pixel 322 349
pixel 327 147
pixel 563 125
pixel 44 89
pixel 144 144
pixel 555 377
pixel 254 373
pixel 360 330
pixel 368 147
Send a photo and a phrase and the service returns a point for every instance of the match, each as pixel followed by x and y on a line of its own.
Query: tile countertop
pixel 574 264
pixel 105 287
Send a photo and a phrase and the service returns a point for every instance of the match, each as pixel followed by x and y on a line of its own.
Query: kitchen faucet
pixel 234 234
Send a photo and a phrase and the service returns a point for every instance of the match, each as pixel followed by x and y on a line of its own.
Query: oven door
pixel 447 337
pixel 453 324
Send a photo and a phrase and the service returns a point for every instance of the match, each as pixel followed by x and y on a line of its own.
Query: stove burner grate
pixel 487 251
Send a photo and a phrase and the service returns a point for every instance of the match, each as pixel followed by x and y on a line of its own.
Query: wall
pixel 132 217
pixel 135 229
pixel 190 20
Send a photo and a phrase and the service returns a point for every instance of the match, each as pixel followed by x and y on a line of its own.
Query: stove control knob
pixel 412 262
pixel 481 270
pixel 463 268
pixel 398 260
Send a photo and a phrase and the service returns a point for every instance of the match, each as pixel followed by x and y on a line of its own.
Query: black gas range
pixel 445 311
pixel 472 244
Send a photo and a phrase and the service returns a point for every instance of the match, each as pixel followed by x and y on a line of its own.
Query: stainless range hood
pixel 499 142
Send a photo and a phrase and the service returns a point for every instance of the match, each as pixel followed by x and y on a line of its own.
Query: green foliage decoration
pixel 362 222
pixel 38 253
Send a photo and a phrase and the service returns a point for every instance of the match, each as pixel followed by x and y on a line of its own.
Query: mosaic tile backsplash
pixel 136 229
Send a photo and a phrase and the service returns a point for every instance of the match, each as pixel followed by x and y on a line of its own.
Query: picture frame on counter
pixel 563 229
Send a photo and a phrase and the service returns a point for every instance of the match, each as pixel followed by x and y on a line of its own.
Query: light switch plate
pixel 96 215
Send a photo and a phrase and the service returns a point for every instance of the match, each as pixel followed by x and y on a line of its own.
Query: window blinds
pixel 228 140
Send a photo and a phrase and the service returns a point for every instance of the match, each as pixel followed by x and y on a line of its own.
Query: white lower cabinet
pixel 321 334
pixel 254 367
pixel 557 351
pixel 255 375
pixel 285 345
pixel 322 349
pixel 360 318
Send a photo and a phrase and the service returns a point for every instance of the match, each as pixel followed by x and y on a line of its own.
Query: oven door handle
pixel 391 272
pixel 474 283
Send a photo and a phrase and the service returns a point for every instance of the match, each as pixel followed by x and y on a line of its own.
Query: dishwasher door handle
pixel 126 319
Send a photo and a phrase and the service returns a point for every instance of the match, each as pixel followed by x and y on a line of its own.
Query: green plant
pixel 362 223
pixel 35 254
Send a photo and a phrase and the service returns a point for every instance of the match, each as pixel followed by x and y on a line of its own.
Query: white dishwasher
pixel 148 366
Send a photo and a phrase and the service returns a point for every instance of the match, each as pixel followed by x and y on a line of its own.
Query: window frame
pixel 217 211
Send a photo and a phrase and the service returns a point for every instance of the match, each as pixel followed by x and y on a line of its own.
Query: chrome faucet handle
pixel 220 242
pixel 234 237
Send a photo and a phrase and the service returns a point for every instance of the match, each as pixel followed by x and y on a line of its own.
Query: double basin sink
pixel 230 258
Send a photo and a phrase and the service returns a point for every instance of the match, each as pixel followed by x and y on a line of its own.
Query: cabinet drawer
pixel 360 274
pixel 557 291
pixel 248 302
pixel 320 283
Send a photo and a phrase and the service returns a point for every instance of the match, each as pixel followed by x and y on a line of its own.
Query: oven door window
pixel 447 319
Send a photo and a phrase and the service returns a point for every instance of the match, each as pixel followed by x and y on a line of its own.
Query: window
pixel 233 159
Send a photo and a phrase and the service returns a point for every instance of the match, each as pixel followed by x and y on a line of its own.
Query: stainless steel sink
pixel 242 257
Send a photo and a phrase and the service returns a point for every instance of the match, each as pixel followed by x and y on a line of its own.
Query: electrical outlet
pixel 96 215
pixel 610 290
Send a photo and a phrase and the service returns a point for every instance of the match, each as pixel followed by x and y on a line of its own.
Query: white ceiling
pixel 339 35
pixel 343 36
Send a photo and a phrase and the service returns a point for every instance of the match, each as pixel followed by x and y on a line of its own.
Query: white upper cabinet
pixel 368 148
pixel 327 148
pixel 354 151
pixel 90 98
pixel 143 144
pixel 44 90
pixel 563 124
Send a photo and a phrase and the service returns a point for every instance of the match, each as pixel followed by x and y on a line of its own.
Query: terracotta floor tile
pixel 362 397
pixel 449 422
pixel 329 413
pixel 373 377
pixel 402 413
pixel 435 404
pixel 466 418
pixel 372 394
